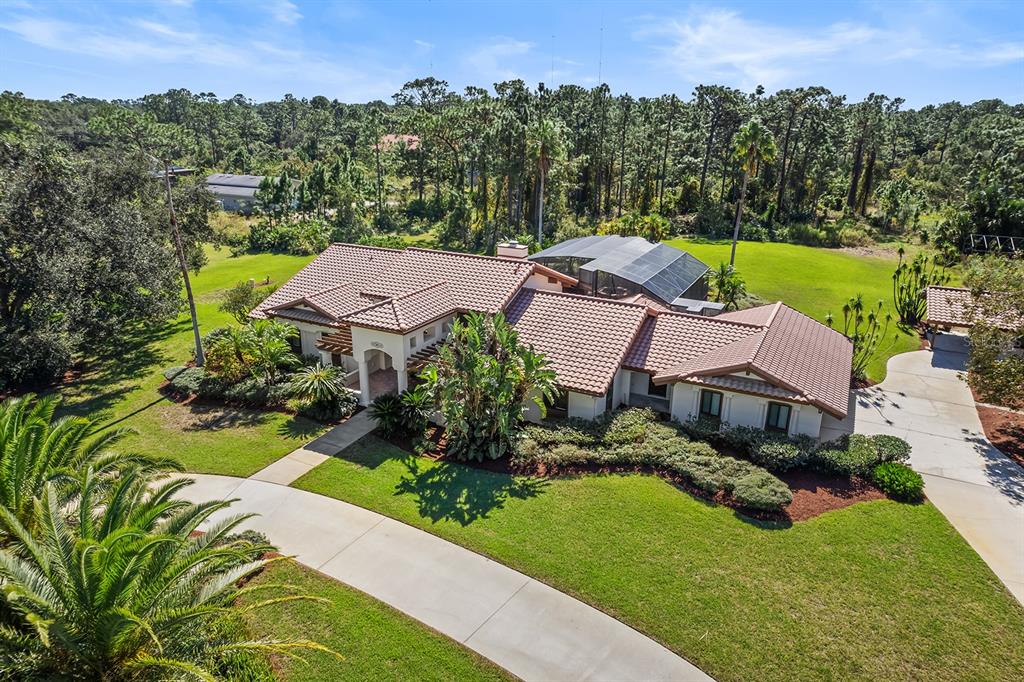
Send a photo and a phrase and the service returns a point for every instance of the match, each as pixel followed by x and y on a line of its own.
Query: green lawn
pixel 122 389
pixel 375 641
pixel 879 590
pixel 812 280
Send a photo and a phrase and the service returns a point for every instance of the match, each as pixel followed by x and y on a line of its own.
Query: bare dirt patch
pixel 1005 430
pixel 198 416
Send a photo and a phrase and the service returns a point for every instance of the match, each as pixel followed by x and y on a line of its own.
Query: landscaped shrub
pixel 386 410
pixel 857 454
pixel 778 455
pixel 254 392
pixel 186 381
pixel 761 490
pixel 898 481
pixel 636 437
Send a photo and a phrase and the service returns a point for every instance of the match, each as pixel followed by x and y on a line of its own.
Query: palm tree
pixel 752 145
pixel 543 145
pixel 129 590
pixel 268 342
pixel 729 286
pixel 37 450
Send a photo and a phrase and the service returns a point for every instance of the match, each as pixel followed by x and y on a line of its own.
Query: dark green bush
pixel 898 481
pixel 255 392
pixel 387 411
pixel 857 454
pixel 778 455
pixel 187 381
pixel 760 490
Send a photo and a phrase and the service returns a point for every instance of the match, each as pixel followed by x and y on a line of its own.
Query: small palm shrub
pixel 387 411
pixel 417 405
pixel 38 449
pixel 321 393
pixel 129 590
pixel 898 481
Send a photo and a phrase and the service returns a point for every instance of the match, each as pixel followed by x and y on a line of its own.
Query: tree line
pixel 472 165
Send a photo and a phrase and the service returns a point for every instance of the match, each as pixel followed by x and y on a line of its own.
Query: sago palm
pixel 752 146
pixel 127 589
pixel 37 449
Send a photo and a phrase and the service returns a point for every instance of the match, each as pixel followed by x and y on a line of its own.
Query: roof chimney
pixel 513 249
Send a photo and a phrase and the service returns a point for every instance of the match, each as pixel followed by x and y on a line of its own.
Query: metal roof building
pixel 610 266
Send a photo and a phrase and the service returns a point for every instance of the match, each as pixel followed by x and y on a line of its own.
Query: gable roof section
pixel 338 265
pixel 668 339
pixel 583 338
pixel 791 351
pixel 408 311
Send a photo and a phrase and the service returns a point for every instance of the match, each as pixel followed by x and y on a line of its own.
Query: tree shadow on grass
pixel 114 372
pixel 299 428
pixel 452 492
pixel 210 417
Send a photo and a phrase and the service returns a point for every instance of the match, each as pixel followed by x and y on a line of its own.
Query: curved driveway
pixel 523 625
pixel 978 488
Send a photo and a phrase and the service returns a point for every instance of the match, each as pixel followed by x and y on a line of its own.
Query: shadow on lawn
pixel 299 428
pixel 453 492
pixel 115 372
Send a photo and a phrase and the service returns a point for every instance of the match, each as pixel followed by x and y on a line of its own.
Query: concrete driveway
pixel 980 490
pixel 523 625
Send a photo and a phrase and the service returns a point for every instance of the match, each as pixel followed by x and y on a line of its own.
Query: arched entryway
pixel 382 377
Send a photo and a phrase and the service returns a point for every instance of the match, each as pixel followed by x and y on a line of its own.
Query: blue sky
pixel 356 51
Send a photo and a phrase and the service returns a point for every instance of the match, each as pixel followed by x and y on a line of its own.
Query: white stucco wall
pixel 585 406
pixel 537 281
pixel 740 409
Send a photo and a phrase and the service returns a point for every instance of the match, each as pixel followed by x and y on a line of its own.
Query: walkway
pixel 526 627
pixel 980 490
pixel 296 463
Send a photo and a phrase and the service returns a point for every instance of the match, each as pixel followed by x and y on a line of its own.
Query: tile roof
pixel 791 350
pixel 728 382
pixel 408 311
pixel 583 338
pixel 759 315
pixel 669 339
pixel 958 307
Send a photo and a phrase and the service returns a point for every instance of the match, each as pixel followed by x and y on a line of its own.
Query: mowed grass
pixel 122 389
pixel 814 281
pixel 375 641
pixel 880 590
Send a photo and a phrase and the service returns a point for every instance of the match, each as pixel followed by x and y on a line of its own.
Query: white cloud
pixel 143 41
pixel 284 11
pixel 493 60
pixel 722 45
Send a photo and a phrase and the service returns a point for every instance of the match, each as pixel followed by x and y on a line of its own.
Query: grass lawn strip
pixel 214 440
pixel 376 641
pixel 879 590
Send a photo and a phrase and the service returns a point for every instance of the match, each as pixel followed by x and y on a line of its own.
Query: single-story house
pixel 380 313
pixel 957 308
pixel 236 193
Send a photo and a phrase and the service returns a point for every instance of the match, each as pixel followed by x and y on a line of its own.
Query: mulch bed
pixel 813 493
pixel 1005 430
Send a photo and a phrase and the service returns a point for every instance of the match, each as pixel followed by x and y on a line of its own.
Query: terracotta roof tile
pixel 957 307
pixel 669 339
pixel 751 386
pixel 583 338
pixel 408 311
pixel 791 350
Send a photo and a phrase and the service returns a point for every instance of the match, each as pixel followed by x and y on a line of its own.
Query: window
pixel 336 360
pixel 412 342
pixel 778 418
pixel 659 391
pixel 561 403
pixel 429 333
pixel 711 405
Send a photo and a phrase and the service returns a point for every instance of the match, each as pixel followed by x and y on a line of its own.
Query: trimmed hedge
pixel 775 452
pixel 857 454
pixel 898 481
pixel 636 437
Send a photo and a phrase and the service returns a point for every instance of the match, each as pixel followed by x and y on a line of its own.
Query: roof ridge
pixel 368 247
pixel 585 297
pixel 710 318
pixel 413 292
pixel 480 256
